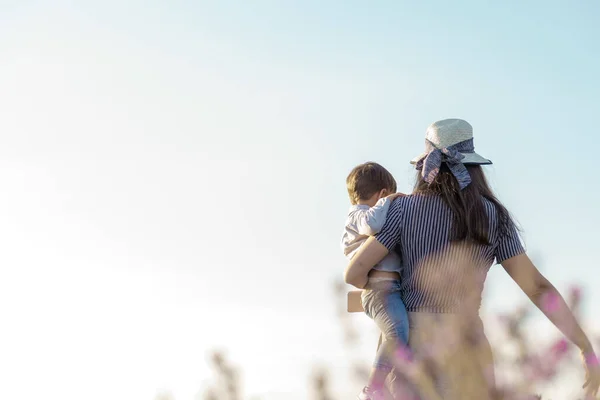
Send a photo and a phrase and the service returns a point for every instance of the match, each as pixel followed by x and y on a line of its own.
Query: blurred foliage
pixel 530 367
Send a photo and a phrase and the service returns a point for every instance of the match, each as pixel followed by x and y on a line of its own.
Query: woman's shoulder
pixel 490 207
pixel 432 202
pixel 418 198
pixel 414 201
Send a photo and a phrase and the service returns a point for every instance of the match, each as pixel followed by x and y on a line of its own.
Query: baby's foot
pixel 370 394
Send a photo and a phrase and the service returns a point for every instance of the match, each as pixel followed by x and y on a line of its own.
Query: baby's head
pixel 368 182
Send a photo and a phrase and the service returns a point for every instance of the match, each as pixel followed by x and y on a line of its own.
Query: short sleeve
pixel 508 245
pixel 389 236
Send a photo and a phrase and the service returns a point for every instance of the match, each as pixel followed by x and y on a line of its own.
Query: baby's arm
pixel 369 222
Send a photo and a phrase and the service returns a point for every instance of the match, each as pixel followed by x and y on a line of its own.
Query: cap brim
pixel 470 158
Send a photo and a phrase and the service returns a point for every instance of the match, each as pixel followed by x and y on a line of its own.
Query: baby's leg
pixel 387 310
pixel 390 377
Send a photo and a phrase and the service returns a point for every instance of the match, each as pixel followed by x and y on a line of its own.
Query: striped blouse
pixel 439 275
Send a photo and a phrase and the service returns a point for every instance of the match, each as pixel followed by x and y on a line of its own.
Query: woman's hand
pixel 592 373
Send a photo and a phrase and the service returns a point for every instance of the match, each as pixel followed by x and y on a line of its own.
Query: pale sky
pixel 173 173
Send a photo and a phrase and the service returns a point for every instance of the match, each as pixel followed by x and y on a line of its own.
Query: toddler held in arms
pixel 372 189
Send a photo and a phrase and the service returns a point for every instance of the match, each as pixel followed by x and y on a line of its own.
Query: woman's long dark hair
pixel 471 221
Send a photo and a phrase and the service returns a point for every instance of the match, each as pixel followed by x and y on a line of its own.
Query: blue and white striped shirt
pixel 440 275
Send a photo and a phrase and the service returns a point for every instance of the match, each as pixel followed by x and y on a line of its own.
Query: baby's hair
pixel 367 179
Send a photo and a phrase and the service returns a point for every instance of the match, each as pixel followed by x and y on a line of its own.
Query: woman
pixel 448 234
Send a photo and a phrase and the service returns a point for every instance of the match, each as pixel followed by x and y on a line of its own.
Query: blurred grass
pixel 531 367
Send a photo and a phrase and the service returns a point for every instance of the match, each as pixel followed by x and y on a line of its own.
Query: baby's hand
pixel 394 196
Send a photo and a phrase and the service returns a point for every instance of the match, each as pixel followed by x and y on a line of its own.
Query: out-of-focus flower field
pixel 529 366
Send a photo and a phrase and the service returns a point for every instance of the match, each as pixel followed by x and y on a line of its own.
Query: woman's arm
pixel 545 296
pixel 369 254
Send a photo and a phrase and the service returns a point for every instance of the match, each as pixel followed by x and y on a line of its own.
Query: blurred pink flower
pixel 560 348
pixel 592 360
pixel 404 354
pixel 550 302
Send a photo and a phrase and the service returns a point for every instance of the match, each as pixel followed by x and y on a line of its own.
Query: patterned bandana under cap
pixel 430 164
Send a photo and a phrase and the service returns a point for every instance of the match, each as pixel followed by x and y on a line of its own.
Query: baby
pixel 372 189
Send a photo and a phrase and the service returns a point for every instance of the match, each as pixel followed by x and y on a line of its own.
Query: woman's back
pixel 441 275
pixel 452 200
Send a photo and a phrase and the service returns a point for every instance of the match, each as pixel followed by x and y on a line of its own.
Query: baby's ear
pixel 383 193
